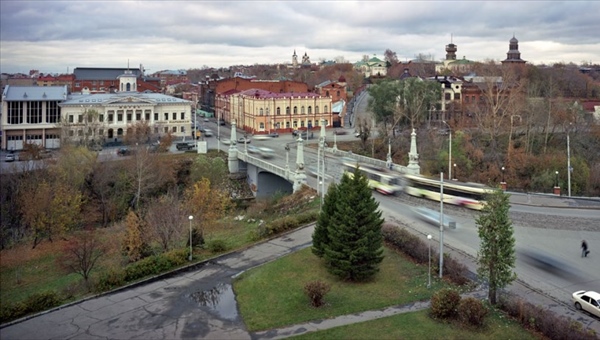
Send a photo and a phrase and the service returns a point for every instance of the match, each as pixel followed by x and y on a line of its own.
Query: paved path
pixel 183 304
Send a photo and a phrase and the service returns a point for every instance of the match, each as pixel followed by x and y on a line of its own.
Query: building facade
pixel 258 111
pixel 48 115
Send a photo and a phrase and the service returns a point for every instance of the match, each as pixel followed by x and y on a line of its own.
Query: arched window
pixel 325 109
pixel 326 93
pixel 310 110
pixel 287 110
pixel 302 110
pixel 278 111
pixel 262 126
pixel 261 112
pixel 295 110
pixel 317 109
pixel 267 111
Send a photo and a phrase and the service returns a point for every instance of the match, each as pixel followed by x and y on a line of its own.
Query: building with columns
pixel 46 115
pixel 258 111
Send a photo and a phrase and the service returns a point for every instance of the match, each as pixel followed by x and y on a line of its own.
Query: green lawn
pixel 272 295
pixel 418 325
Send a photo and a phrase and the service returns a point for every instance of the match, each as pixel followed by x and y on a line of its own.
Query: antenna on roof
pixel 451 36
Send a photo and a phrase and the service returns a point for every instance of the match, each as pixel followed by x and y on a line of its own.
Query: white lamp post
pixel 429 237
pixel 441 223
pixel 449 150
pixel 191 218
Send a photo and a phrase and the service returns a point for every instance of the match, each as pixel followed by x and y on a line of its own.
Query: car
pixel 266 152
pixel 273 135
pixel 208 133
pixel 11 157
pixel 206 119
pixel 123 151
pixel 339 132
pixel 226 141
pixel 433 217
pixel 252 149
pixel 243 140
pixel 588 301
pixel 305 135
pixel 221 122
pixel 185 145
pixel 295 133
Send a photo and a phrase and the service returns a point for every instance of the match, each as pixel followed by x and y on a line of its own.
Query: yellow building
pixel 261 112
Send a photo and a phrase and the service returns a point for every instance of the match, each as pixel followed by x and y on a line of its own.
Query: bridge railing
pixel 367 160
pixel 261 163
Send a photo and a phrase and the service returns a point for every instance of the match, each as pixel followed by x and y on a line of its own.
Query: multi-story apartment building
pixel 48 115
pixel 258 111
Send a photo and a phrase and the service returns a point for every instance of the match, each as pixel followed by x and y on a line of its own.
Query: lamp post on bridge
pixel 449 150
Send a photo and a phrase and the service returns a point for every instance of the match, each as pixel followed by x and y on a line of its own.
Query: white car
pixel 588 301
pixel 433 217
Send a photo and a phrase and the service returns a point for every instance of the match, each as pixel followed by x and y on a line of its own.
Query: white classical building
pixel 46 115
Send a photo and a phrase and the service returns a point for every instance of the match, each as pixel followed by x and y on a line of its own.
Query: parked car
pixel 340 132
pixel 226 141
pixel 185 145
pixel 11 157
pixel 206 119
pixel 305 135
pixel 123 151
pixel 208 133
pixel 273 134
pixel 588 301
pixel 243 140
pixel 222 122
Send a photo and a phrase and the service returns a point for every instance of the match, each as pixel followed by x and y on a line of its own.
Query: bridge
pixel 267 178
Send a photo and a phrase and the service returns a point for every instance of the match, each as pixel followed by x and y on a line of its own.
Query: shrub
pixel 472 311
pixel 216 246
pixel 280 225
pixel 36 302
pixel 542 320
pixel 307 217
pixel 417 248
pixel 444 303
pixel 110 279
pixel 177 257
pixel 316 290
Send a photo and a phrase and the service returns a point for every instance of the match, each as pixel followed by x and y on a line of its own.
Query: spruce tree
pixel 354 247
pixel 496 256
pixel 319 237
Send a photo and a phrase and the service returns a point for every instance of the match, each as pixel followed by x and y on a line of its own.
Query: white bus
pixel 382 180
pixel 468 195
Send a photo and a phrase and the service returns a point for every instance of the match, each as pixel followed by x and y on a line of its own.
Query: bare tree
pixel 81 253
pixel 166 220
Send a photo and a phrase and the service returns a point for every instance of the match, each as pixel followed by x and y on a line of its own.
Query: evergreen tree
pixel 320 238
pixel 496 256
pixel 354 246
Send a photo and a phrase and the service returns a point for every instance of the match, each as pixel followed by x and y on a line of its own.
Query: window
pixel 287 110
pixel 262 126
pixel 101 118
pixel 70 118
pixel 110 117
pixel 174 116
pixel 138 116
pixel 174 129
pixel 101 132
pixel 70 133
pixel 79 133
pixel 301 123
pixel 34 112
pixel 183 116
pixel 278 111
pixel 183 129
pixel 80 119
pixel 447 96
pixel 147 116
pixel 457 96
pixel 260 112
pixel 156 130
pixel 317 109
pixel 52 112
pixel 166 116
pixel 267 111
pixel 295 110
pixel 129 117
pixel 302 110
pixel 338 93
pixel 166 129
pixel 156 116
pixel 326 93
pixel 120 117
pixel 310 110
pixel 466 99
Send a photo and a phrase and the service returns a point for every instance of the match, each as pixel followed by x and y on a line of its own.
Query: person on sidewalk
pixel 584 249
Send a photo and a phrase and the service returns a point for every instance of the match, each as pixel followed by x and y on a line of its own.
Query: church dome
pixel 514 40
pixel 342 79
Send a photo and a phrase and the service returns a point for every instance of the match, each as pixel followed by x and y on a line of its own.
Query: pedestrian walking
pixel 584 249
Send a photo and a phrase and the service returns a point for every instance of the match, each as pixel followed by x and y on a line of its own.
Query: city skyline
pixel 57 36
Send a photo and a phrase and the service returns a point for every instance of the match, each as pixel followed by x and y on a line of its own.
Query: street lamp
pixel 429 237
pixel 455 173
pixel 449 150
pixel 503 175
pixel 191 218
pixel 556 185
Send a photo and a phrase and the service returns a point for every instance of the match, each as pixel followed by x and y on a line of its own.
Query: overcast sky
pixel 57 36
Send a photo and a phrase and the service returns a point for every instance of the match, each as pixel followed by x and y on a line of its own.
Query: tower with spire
pixel 513 56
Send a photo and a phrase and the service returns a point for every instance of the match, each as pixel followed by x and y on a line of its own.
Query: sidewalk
pixel 550 200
